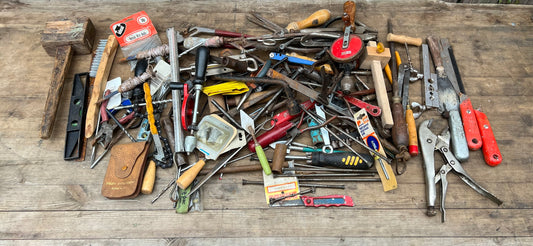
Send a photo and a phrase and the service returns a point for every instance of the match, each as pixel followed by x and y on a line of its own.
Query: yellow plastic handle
pixel 149 108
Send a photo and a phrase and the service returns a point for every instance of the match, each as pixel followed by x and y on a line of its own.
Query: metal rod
pixel 297 169
pixel 141 104
pixel 120 126
pixel 253 182
pixel 235 124
pixel 176 94
pixel 325 175
pixel 339 180
pixel 349 136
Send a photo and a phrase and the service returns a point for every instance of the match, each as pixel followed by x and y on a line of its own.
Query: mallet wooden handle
pixel 381 95
pixel 315 19
pixel 404 39
pixel 99 84
pixel 63 58
pixel 188 176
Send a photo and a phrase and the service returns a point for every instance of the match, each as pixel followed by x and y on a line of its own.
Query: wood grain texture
pixel 47 201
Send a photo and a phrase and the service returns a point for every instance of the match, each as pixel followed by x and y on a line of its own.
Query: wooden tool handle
pixel 188 176
pixel 381 95
pixel 491 152
pixel 472 134
pixel 434 48
pixel 149 179
pixel 404 39
pixel 279 157
pixel 411 127
pixel 99 84
pixel 349 9
pixel 400 136
pixel 62 62
pixel 317 18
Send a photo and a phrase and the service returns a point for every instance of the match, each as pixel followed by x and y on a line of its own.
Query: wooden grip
pixel 381 95
pixel 399 132
pixel 404 39
pixel 279 157
pixel 99 84
pixel 434 48
pixel 149 179
pixel 317 18
pixel 411 128
pixel 188 176
pixel 62 62
pixel 349 9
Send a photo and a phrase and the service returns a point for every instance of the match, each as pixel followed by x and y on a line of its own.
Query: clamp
pixel 429 143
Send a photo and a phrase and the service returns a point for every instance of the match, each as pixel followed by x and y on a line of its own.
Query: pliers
pixel 429 143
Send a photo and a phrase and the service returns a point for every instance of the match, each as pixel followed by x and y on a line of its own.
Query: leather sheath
pixel 125 171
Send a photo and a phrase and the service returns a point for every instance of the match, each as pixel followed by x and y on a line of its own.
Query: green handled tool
pixel 247 123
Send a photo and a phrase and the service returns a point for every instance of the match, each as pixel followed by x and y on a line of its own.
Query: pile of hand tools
pixel 308 104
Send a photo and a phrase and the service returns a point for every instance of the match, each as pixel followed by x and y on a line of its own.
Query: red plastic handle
pixel 491 152
pixel 274 134
pixel 370 109
pixel 184 121
pixel 285 116
pixel 472 134
pixel 309 201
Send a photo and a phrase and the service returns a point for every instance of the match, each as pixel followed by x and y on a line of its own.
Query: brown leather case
pixel 125 171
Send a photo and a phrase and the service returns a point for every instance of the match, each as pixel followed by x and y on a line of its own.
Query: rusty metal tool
pixel 61 39
pixel 449 103
pixel 431 92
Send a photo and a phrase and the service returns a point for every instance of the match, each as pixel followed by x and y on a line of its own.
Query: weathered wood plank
pixel 311 241
pixel 259 223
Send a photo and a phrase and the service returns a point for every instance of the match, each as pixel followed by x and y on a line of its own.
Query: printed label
pixel 133 28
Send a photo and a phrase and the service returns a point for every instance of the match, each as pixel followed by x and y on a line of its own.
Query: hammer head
pixel 371 54
pixel 79 33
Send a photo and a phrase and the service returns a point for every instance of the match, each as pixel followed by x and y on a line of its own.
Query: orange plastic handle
pixel 491 152
pixel 472 134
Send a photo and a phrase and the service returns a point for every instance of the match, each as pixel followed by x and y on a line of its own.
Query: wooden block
pixel 76 32
pixel 371 54
pixel 219 99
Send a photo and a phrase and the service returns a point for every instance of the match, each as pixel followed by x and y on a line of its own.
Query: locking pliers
pixel 429 143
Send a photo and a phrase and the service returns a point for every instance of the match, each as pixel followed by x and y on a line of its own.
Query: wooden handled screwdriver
pixel 317 18
pixel 399 129
pixel 188 176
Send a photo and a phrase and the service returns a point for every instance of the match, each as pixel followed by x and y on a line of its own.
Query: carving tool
pixel 315 19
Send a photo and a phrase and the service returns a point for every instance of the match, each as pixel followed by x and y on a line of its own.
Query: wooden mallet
pixel 61 39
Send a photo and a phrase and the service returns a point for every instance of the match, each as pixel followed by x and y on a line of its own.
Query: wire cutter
pixel 429 143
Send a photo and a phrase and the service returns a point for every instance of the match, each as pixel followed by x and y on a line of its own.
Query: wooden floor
pixel 47 201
